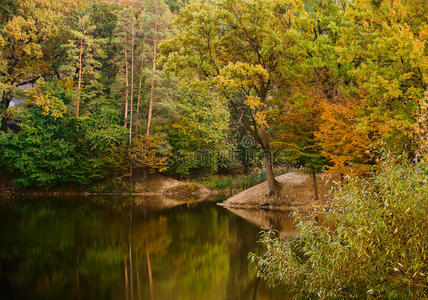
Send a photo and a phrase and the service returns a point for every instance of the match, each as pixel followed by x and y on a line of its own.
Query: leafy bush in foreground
pixel 373 242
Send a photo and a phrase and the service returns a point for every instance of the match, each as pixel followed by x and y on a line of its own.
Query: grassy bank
pixel 234 183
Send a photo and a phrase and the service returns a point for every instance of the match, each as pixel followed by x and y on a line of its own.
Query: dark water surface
pixel 110 249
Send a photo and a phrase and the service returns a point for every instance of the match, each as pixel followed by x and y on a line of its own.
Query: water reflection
pixel 281 221
pixel 107 249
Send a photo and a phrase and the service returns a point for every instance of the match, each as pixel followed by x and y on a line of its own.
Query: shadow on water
pixel 106 248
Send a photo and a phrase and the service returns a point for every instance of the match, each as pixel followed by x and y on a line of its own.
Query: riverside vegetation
pixel 101 94
pixel 370 243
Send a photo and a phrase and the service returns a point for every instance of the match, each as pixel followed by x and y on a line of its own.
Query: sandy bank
pixel 297 193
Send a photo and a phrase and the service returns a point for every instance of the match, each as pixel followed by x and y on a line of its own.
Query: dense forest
pixel 111 92
pixel 107 89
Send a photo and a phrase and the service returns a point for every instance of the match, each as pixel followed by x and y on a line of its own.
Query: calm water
pixel 110 249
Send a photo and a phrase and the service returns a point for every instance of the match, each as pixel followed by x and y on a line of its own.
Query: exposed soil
pixel 297 193
pixel 166 186
pixel 165 191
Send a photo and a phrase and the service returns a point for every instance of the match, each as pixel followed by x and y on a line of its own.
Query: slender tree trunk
pixel 5 101
pixel 262 139
pixel 132 85
pixel 132 98
pixel 80 78
pixel 140 83
pixel 314 177
pixel 126 84
pixel 274 187
pixel 152 88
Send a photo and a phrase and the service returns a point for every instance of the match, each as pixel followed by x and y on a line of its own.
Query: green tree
pixel 383 48
pixel 199 132
pixel 104 14
pixel 249 50
pixel 83 54
pixel 156 25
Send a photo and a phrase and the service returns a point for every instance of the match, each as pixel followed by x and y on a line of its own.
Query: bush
pixel 52 151
pixel 371 243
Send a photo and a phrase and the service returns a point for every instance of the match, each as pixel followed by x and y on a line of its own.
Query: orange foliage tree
pixel 294 131
pixel 340 139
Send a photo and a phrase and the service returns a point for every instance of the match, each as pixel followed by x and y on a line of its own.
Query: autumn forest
pixel 98 95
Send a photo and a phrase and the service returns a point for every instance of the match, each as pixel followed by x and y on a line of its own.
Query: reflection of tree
pixel 80 250
pixel 197 262
pixel 281 221
pixel 51 251
pixel 181 255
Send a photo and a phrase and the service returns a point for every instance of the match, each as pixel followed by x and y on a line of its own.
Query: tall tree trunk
pixel 261 138
pixel 274 186
pixel 80 78
pixel 132 99
pixel 5 101
pixel 126 84
pixel 132 85
pixel 140 83
pixel 152 88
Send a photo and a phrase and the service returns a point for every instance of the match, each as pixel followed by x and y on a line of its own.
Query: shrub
pixel 372 242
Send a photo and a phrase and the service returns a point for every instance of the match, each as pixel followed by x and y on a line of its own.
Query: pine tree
pixel 83 54
pixel 155 24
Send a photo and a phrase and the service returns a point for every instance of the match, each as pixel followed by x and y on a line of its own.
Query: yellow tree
pixel 248 50
pixel 27 47
pixel 30 39
pixel 383 49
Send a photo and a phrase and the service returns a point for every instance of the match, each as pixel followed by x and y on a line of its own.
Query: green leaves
pixel 369 241
pixel 198 134
pixel 385 45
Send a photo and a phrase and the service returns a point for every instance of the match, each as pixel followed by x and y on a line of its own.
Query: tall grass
pixel 233 182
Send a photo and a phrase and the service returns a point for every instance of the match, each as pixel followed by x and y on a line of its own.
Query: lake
pixel 107 248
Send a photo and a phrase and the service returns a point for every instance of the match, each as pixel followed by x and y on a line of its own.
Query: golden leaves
pixel 253 102
pixel 261 119
pixel 242 75
pixel 50 105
